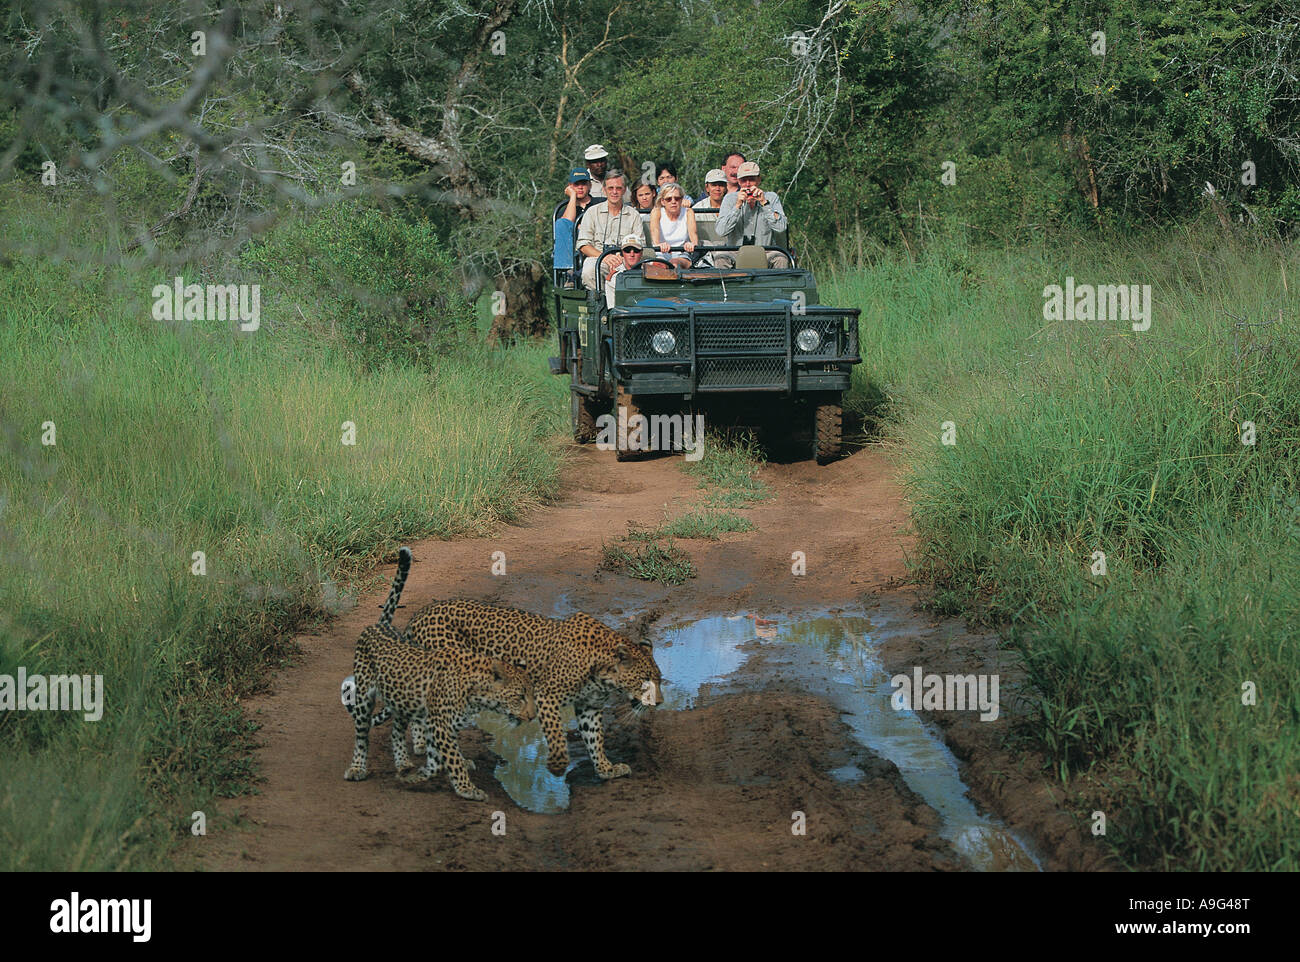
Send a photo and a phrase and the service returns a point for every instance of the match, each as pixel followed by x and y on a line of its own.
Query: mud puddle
pixel 832 656
pixel 836 656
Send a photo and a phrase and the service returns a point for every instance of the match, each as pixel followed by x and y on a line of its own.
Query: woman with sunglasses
pixel 668 175
pixel 672 224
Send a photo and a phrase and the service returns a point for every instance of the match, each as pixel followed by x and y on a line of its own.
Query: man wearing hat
pixel 752 215
pixel 629 260
pixel 578 191
pixel 597 158
pixel 715 188
pixel 604 224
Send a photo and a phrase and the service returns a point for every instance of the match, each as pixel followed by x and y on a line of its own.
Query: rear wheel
pixel 828 421
pixel 624 400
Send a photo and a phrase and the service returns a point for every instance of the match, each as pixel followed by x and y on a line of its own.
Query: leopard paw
pixel 557 766
pixel 412 775
pixel 616 771
pixel 474 794
pixel 355 774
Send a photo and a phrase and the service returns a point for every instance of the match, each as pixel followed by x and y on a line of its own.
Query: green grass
pixel 658 561
pixel 728 471
pixel 177 438
pixel 698 523
pixel 1085 436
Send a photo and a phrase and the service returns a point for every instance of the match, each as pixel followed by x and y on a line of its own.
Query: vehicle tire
pixel 624 400
pixel 582 410
pixel 828 421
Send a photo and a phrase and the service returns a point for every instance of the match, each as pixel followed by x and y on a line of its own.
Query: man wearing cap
pixel 605 224
pixel 751 215
pixel 597 158
pixel 715 188
pixel 578 191
pixel 629 260
pixel 567 215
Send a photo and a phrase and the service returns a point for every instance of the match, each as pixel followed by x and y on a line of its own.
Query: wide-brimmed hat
pixel 715 176
pixel 595 152
pixel 747 169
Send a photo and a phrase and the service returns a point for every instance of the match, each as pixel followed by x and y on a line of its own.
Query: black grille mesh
pixel 717 372
pixel 742 332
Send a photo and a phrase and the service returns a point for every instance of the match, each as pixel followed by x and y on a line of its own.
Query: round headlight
pixel 808 340
pixel 663 342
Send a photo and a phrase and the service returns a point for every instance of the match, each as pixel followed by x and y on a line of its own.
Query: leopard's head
pixel 628 667
pixel 508 689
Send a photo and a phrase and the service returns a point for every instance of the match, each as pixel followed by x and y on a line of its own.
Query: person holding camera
pixel 751 215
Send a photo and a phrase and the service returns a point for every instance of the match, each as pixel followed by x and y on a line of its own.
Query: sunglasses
pixel 631 250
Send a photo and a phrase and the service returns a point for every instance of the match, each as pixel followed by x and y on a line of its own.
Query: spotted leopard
pixel 575 661
pixel 438 689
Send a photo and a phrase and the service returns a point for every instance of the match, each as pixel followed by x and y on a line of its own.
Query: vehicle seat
pixel 706 227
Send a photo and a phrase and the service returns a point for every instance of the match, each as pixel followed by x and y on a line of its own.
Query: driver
pixel 630 260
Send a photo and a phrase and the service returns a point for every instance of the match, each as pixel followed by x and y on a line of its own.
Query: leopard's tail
pixel 399 582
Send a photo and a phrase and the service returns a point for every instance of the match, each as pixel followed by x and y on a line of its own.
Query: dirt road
pixel 715 787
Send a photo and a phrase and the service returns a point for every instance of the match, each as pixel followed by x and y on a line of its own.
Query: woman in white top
pixel 672 224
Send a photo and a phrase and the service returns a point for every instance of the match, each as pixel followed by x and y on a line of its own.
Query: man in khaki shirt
pixel 605 224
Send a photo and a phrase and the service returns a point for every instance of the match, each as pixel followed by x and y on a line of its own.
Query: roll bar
pixel 695 255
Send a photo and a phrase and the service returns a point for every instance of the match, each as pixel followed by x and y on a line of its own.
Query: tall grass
pixel 173 439
pixel 1081 437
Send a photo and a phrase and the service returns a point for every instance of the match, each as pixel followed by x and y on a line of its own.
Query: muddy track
pixel 711 788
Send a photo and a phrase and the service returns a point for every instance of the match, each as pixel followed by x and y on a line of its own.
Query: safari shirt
pixel 599 229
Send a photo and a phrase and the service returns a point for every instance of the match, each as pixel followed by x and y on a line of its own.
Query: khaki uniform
pixel 599 229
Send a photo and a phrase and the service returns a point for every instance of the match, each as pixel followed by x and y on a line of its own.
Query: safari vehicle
pixel 748 344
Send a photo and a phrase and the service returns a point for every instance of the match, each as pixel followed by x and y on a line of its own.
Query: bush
pixel 383 284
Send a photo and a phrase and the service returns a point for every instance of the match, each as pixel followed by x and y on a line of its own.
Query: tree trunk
pixel 524 312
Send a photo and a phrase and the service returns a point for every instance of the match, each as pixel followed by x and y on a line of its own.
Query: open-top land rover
pixel 743 343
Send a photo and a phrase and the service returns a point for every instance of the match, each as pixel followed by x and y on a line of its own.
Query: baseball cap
pixel 715 176
pixel 747 169
pixel 595 152
pixel 631 240
pixel 577 174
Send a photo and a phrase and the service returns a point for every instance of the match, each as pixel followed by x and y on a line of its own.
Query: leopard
pixel 576 661
pixel 437 688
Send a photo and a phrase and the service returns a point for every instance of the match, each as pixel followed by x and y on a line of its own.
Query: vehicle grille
pixel 720 372
pixel 742 332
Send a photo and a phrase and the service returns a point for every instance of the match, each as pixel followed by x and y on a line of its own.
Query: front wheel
pixel 624 400
pixel 828 429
